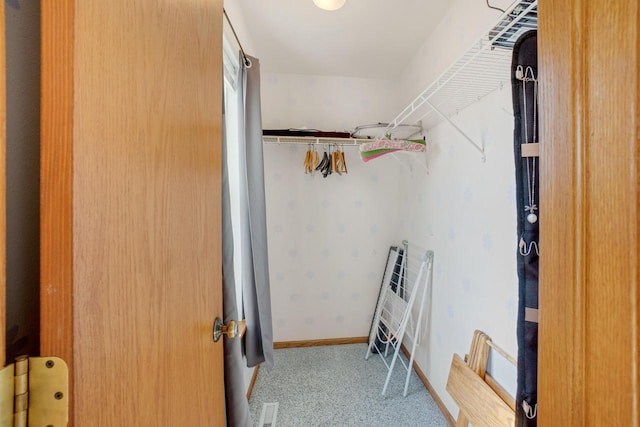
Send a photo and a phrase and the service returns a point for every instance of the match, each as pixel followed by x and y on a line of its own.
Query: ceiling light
pixel 330 4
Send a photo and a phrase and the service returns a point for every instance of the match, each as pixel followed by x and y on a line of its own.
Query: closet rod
pixel 247 61
pixel 306 140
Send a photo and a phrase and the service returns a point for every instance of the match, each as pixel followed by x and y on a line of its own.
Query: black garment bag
pixel 524 74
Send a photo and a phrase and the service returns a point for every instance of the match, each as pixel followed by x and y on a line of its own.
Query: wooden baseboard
pixel 253 381
pixel 315 343
pixel 427 384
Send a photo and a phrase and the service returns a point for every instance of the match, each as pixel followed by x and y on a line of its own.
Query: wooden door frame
pixel 589 62
pixel 56 136
pixel 3 192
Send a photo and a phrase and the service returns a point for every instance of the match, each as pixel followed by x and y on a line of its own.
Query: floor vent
pixel 269 415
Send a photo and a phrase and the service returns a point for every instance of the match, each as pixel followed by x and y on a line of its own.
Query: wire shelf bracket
pixel 479 147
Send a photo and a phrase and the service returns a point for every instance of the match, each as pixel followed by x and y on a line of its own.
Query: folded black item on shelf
pixel 305 132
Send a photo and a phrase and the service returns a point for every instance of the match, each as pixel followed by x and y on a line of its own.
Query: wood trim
pixel 590 156
pixel 3 193
pixel 479 404
pixel 443 408
pixel 557 174
pixel 56 302
pixel 315 343
pixel 254 377
pixel 500 391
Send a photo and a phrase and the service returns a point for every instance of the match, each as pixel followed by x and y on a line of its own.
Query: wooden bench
pixel 482 401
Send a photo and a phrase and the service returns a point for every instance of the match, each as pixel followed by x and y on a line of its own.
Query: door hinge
pixel 34 392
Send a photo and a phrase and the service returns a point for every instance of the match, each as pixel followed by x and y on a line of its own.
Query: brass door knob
pixel 232 330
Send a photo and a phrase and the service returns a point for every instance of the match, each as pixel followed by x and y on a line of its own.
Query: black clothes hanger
pixel 325 165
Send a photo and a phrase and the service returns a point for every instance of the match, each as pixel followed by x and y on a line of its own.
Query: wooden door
pixel 589 344
pixel 130 224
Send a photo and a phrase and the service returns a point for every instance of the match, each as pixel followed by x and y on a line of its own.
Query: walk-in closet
pixel 295 213
pixel 499 161
pixel 366 151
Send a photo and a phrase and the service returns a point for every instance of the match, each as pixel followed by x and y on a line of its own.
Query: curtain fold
pixel 256 297
pixel 236 404
pixel 253 224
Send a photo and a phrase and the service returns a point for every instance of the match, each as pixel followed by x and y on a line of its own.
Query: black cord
pixel 493 7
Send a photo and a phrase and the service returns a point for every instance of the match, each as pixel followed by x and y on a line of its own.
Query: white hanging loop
pixel 525 249
pixel 525 74
pixel 529 411
pixel 519 72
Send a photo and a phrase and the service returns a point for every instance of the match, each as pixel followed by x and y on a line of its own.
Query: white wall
pixel 328 238
pixel 325 102
pixel 465 210
pixel 328 241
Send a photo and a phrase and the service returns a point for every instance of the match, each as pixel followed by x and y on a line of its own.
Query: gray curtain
pixel 255 272
pixel 237 406
pixel 253 223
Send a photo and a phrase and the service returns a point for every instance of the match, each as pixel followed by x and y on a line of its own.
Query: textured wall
pixel 328 238
pixel 465 210
pixel 328 242
pixel 324 102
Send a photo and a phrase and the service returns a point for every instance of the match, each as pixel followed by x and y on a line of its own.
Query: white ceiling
pixel 366 38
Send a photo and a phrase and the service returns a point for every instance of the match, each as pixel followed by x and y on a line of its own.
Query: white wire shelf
pixel 483 68
pixel 312 140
